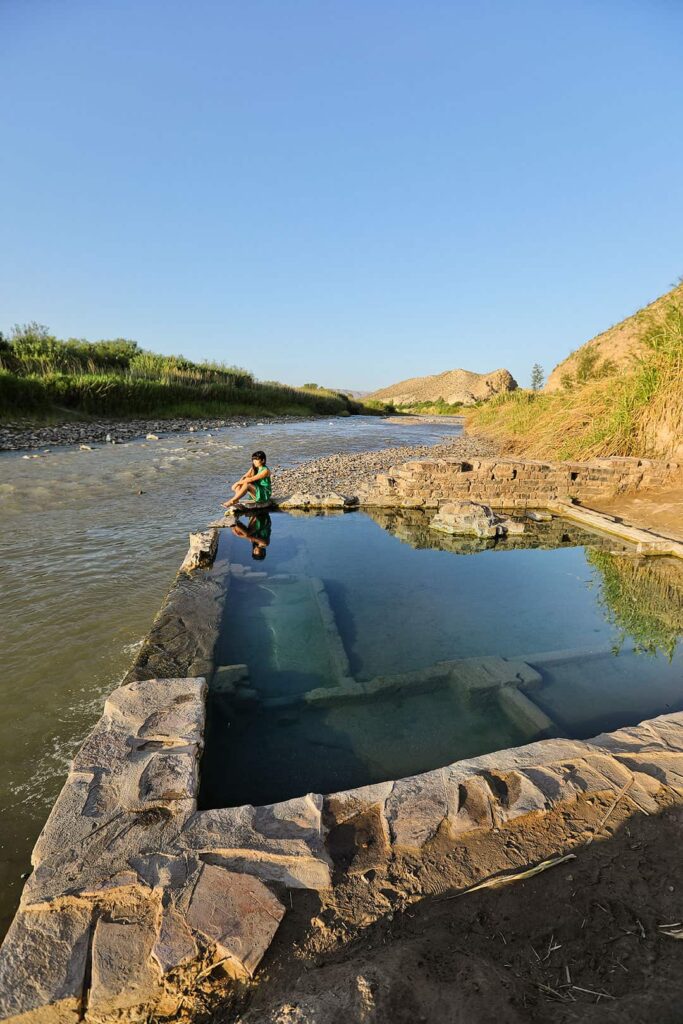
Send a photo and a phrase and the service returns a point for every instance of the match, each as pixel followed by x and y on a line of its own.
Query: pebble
pixel 18 436
pixel 344 472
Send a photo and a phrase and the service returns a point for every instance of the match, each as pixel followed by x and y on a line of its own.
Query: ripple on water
pixel 95 562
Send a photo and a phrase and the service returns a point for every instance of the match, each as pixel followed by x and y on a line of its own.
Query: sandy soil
pixel 661 511
pixel 579 942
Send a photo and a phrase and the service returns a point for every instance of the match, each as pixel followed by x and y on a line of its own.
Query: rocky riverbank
pixel 344 472
pixel 18 436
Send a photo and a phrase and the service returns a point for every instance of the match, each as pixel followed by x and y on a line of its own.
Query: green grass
pixel 437 408
pixel 643 599
pixel 41 377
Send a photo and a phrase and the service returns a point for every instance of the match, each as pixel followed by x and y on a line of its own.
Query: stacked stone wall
pixel 516 483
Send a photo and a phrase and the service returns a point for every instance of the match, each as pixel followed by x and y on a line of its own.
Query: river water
pixel 90 543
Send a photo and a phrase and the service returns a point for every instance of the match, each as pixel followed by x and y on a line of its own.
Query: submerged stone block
pixel 237 912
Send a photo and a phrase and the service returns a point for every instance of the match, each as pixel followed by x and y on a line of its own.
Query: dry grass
pixel 634 412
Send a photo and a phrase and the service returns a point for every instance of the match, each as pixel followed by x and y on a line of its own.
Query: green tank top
pixel 263 488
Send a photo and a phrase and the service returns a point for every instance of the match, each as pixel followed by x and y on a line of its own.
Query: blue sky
pixel 343 191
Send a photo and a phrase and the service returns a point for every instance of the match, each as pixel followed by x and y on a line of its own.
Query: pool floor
pixel 373 648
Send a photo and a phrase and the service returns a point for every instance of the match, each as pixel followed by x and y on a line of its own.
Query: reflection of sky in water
pixel 402 607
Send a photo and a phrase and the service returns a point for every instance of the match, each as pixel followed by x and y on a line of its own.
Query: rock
pixel 416 808
pixel 237 912
pixel 512 527
pixel 202 550
pixel 466 517
pixel 151 437
pixel 175 943
pixel 42 965
pixel 169 776
pixel 469 802
pixel 330 500
pixel 281 842
pixel 124 975
pixel 131 705
pixel 226 678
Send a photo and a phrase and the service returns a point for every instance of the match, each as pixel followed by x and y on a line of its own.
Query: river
pixel 90 543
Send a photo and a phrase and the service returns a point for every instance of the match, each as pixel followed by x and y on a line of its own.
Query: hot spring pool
pixel 373 648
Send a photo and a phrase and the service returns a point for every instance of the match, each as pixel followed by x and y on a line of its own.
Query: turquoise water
pixel 342 601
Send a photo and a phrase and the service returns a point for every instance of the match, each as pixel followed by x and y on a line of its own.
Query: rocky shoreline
pixel 19 436
pixel 345 472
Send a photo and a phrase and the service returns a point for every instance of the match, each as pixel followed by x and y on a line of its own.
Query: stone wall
pixel 515 483
pixel 141 905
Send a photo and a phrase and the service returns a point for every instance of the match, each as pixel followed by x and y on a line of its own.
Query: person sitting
pixel 257 482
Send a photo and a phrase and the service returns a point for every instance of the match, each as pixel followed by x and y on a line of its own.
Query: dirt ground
pixel 661 511
pixel 581 941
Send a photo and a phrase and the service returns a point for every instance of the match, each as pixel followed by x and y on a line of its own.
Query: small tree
pixel 536 377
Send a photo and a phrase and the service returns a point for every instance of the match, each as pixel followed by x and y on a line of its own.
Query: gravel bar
pixel 344 472
pixel 18 436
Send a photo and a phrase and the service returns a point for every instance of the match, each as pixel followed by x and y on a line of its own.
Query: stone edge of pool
pixel 138 902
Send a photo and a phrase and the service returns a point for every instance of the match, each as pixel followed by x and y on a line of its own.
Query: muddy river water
pixel 90 542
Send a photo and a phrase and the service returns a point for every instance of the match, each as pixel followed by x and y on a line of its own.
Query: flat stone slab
pixel 123 974
pixel 42 965
pixel 237 912
pixel 143 753
pixel 281 843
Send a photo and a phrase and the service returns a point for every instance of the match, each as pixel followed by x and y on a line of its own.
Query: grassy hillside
pixel 615 349
pixel 43 378
pixel 632 409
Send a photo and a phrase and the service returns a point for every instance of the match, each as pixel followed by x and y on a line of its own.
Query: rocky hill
pixel 452 387
pixel 614 349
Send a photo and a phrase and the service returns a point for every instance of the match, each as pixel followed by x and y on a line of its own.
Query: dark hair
pixel 258 552
pixel 259 455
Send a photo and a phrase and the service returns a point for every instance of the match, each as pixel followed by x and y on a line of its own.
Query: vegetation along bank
pixel 44 379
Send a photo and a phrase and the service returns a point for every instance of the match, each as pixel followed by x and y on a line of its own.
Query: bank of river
pixel 90 543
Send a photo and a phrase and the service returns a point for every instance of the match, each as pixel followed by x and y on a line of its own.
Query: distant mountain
pixel 451 386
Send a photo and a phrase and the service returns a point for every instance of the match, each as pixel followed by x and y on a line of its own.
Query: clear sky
pixel 341 191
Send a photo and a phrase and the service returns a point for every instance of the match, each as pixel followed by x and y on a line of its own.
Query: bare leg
pixel 239 493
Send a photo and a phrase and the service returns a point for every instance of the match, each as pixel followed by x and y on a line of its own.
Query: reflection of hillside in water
pixel 642 597
pixel 412 527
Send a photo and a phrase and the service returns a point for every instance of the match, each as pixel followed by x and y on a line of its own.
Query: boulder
pixel 467 517
pixel 473 519
pixel 329 500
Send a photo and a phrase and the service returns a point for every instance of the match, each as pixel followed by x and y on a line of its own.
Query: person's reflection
pixel 257 532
